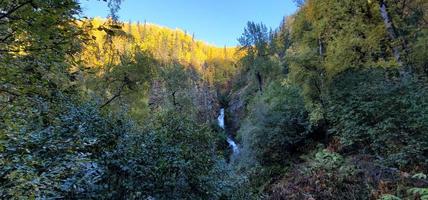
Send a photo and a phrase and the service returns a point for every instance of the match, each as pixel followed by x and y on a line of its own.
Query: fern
pixel 422 193
pixel 389 197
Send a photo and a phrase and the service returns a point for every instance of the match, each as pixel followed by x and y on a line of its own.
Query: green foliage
pixel 417 192
pixel 330 37
pixel 361 79
pixel 219 71
pixel 420 176
pixel 327 160
pixel 58 142
pixel 389 197
pixel 45 145
pixel 57 157
pixel 419 51
pixel 277 121
pixel 255 39
pixel 126 83
pixel 177 80
pixel 325 175
pixel 308 74
pixel 421 193
pixel 32 60
pixel 258 66
pixel 333 69
pixel 381 116
pixel 172 158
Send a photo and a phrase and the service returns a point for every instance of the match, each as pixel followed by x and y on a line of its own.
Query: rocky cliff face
pixel 235 111
pixel 157 96
pixel 202 95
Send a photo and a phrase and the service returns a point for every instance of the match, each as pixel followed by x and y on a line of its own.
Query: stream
pixel 230 141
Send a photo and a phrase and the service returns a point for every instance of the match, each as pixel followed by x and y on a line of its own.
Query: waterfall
pixel 220 119
pixel 230 141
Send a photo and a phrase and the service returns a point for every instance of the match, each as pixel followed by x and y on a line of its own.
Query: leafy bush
pixel 377 115
pixel 82 153
pixel 173 157
pixel 277 122
pixel 57 157
pixel 325 175
pixel 421 193
pixel 389 197
pixel 327 160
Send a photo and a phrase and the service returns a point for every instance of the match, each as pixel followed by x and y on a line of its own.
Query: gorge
pixel 232 144
pixel 331 104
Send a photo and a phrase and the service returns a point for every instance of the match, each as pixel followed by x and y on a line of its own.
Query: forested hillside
pixel 145 64
pixel 163 44
pixel 333 104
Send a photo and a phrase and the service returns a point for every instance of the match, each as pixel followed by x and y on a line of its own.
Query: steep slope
pixel 164 44
pixel 333 105
pixel 146 54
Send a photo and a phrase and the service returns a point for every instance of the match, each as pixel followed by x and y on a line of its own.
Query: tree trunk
pixel 259 79
pixel 320 47
pixel 389 25
pixel 173 99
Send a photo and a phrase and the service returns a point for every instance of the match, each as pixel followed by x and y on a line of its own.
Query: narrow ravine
pixel 230 141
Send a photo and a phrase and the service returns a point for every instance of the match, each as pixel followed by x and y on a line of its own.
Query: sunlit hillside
pixel 164 44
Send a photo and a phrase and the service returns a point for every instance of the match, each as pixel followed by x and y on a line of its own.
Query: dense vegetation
pixel 335 102
pixel 331 105
pixel 84 117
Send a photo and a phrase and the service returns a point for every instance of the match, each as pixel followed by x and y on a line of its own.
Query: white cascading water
pixel 231 142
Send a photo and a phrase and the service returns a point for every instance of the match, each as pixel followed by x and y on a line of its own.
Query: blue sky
pixel 218 22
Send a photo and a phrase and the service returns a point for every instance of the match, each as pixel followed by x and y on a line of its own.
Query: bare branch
pixel 118 94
